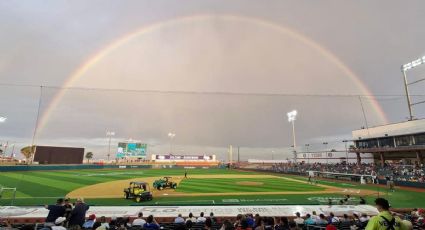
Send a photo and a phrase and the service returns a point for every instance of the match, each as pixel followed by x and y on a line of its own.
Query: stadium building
pixel 404 141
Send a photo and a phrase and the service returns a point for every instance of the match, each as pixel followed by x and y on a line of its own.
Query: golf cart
pixel 164 182
pixel 139 191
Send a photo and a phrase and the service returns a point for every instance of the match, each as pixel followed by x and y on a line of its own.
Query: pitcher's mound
pixel 249 183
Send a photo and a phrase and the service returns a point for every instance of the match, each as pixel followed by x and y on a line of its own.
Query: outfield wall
pixel 66 167
pixel 15 168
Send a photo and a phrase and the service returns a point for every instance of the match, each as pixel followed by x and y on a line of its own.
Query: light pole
pixel 291 118
pixel 326 151
pixel 346 150
pixel 171 136
pixel 308 154
pixel 404 69
pixel 272 154
pixel 3 119
pixel 13 152
pixel 109 134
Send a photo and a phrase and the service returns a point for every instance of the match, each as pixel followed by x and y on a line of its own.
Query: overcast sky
pixel 242 58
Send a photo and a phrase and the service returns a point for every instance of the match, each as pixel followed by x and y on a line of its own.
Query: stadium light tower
pixel 326 153
pixel 171 136
pixel 3 119
pixel 404 69
pixel 109 134
pixel 291 118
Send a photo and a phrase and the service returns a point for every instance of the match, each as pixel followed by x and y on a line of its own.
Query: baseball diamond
pixel 202 187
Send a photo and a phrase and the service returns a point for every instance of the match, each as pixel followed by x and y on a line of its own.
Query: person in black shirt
pixel 55 211
pixel 78 214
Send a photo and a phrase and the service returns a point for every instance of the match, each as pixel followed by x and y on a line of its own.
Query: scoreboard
pixel 131 149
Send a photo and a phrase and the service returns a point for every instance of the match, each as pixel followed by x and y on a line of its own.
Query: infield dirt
pixel 114 189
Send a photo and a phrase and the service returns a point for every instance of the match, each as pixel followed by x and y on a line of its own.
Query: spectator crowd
pixel 398 172
pixel 65 216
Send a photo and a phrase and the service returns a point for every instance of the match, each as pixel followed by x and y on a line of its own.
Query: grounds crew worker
pixel 384 220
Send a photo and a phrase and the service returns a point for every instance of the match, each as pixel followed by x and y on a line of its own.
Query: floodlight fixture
pixel 404 69
pixel 292 115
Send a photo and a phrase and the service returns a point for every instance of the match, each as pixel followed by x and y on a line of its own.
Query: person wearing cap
pixel 385 220
pixel 90 222
pixel 59 224
pixel 55 211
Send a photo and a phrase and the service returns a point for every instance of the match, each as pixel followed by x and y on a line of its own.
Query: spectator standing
pixel 139 221
pixel 55 211
pixel 68 210
pixel 78 214
pixel 384 220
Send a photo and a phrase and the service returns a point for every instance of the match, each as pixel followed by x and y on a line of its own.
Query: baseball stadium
pixel 213 186
pixel 212 115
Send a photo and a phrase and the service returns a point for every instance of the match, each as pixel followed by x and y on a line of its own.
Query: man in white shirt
pixel 201 218
pixel 298 220
pixel 139 221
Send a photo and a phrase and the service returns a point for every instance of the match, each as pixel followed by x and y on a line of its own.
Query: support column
pixel 382 158
pixel 419 157
pixel 359 159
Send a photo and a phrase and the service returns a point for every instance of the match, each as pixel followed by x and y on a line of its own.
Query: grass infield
pixel 44 187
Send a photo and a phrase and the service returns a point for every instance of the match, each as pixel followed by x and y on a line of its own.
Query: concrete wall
pixel 396 129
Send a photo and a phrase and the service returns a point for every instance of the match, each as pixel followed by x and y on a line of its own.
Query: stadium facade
pixel 403 141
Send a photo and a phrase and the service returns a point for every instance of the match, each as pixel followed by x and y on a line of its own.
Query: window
pixel 403 141
pixel 386 142
pixel 420 139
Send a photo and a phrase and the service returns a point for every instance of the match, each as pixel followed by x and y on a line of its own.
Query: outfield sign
pixel 183 157
pixel 173 211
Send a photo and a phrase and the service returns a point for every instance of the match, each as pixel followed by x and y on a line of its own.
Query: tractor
pixel 139 191
pixel 164 183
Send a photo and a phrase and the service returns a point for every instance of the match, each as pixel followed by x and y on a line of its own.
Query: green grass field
pixel 44 187
pixel 223 185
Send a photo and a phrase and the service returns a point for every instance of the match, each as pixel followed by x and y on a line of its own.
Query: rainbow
pixel 96 57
